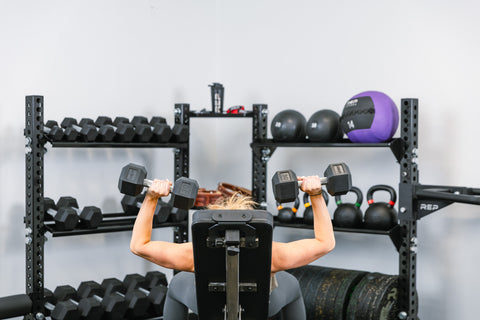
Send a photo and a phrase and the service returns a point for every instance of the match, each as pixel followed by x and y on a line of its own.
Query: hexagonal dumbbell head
pixel 137 301
pixel 180 133
pixel 89 308
pixel 339 179
pixel 54 131
pixel 60 310
pixel 132 179
pixel 124 132
pixel 90 216
pixel 184 193
pixel 155 278
pixel 88 132
pixel 65 218
pixel 114 305
pixel 106 133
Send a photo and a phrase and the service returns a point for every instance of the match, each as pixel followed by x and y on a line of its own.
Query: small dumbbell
pixel 124 132
pixel 156 293
pixel 60 310
pixel 89 308
pixel 90 216
pixel 337 177
pixel 180 133
pixel 87 132
pixel 143 132
pixel 132 204
pixel 53 131
pixel 160 129
pixel 137 300
pixel 105 133
pixel 132 180
pixel 114 305
pixel 66 219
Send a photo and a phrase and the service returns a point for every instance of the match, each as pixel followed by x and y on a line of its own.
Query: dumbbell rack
pixel 35 228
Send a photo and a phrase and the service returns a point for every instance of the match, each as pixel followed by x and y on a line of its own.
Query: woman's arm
pixel 302 252
pixel 166 254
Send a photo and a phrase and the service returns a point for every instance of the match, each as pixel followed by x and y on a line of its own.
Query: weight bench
pixel 232 254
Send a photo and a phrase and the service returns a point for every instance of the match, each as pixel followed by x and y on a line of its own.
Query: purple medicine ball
pixel 370 117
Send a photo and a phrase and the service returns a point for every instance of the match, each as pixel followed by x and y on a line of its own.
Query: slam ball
pixel 289 126
pixel 370 117
pixel 324 126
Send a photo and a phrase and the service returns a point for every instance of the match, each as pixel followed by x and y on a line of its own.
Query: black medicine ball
pixel 324 126
pixel 289 126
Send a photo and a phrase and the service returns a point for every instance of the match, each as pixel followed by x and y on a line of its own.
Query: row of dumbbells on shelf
pixel 136 297
pixel 377 216
pixel 104 129
pixel 67 216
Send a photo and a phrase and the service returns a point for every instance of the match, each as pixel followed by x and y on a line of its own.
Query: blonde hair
pixel 235 202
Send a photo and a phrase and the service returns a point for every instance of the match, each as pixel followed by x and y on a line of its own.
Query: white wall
pixel 91 58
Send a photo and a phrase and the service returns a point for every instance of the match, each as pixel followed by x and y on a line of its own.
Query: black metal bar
pixel 344 143
pixel 453 194
pixel 259 162
pixel 15 306
pixel 83 144
pixel 34 237
pixel 407 296
pixel 199 114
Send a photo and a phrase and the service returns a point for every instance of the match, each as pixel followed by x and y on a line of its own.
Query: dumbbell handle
pixel 323 180
pixel 148 183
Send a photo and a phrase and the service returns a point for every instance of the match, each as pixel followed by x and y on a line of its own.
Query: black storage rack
pixel 415 200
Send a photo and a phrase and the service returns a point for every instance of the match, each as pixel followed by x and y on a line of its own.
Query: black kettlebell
pixel 349 215
pixel 287 214
pixel 308 213
pixel 380 215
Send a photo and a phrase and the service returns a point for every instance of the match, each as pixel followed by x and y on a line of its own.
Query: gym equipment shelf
pixel 199 114
pixel 64 144
pixel 114 225
pixel 35 226
pixel 394 233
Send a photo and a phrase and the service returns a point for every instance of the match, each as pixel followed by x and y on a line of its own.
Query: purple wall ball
pixel 370 117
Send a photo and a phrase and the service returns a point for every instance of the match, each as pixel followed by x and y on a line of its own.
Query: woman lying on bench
pixel 285 296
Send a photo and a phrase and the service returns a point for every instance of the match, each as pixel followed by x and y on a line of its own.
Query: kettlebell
pixel 287 214
pixel 380 215
pixel 308 213
pixel 348 215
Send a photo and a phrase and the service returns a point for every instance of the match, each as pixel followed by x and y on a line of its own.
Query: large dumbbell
pixel 114 306
pixel 106 133
pixel 337 178
pixel 132 180
pixel 154 285
pixel 131 205
pixel 66 219
pixel 89 308
pixel 87 132
pixel 160 129
pixel 137 301
pixel 143 132
pixel 90 217
pixel 124 132
pixel 60 310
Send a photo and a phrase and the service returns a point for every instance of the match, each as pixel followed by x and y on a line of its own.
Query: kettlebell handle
pixel 295 207
pixel 306 198
pixel 358 193
pixel 382 187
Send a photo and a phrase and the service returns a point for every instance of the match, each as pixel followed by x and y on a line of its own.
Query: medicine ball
pixel 289 126
pixel 324 126
pixel 369 117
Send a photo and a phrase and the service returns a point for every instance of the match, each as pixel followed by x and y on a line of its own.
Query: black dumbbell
pixel 53 131
pixel 69 134
pixel 89 308
pixel 337 177
pixel 180 133
pixel 60 310
pixel 132 180
pixel 65 218
pixel 154 278
pixel 124 132
pixel 137 301
pixel 105 133
pixel 160 129
pixel 176 214
pixel 143 132
pixel 156 293
pixel 131 205
pixel 114 306
pixel 87 132
pixel 90 217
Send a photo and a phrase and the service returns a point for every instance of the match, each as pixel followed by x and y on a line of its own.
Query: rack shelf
pixel 62 144
pixel 198 114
